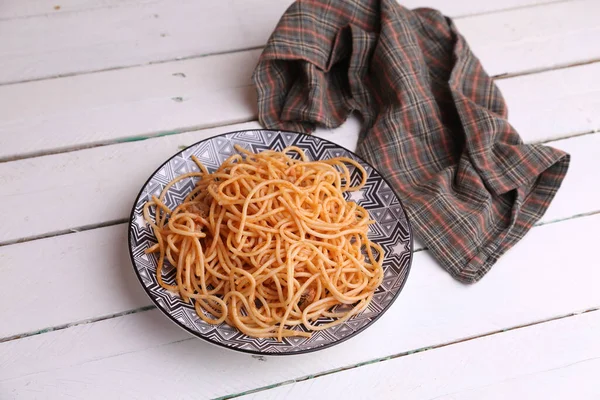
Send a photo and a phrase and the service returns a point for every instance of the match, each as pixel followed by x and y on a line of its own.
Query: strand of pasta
pixel 268 242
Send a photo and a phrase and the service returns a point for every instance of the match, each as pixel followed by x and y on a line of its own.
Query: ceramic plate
pixel 391 231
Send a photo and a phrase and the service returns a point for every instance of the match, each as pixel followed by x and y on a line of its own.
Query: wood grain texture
pixel 106 106
pixel 462 8
pixel 98 185
pixel 579 192
pixel 27 8
pixel 102 175
pixel 135 33
pixel 193 94
pixel 140 33
pixel 552 104
pixel 556 360
pixel 18 9
pixel 152 82
pixel 77 277
pixel 145 355
pixel 535 38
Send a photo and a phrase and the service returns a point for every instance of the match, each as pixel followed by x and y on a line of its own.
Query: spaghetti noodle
pixel 268 242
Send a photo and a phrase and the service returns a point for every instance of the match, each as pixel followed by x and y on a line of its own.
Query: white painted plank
pixel 555 360
pixel 461 8
pixel 12 9
pixel 552 272
pixel 26 8
pixel 91 40
pixel 87 186
pixel 64 43
pixel 54 193
pixel 105 106
pixel 192 94
pixel 67 278
pixel 555 103
pixel 580 190
pixel 533 38
pixel 580 379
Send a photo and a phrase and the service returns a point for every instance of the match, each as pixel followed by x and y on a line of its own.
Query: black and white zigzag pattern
pixel 391 231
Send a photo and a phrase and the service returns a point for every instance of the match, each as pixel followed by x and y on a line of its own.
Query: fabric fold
pixel 434 123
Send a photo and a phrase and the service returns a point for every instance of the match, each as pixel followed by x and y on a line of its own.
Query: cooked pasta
pixel 268 242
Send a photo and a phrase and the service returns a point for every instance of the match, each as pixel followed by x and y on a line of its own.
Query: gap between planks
pixel 508 9
pixel 62 11
pixel 125 220
pixel 525 69
pixel 192 128
pixel 65 232
pixel 544 69
pixel 569 136
pixel 152 307
pixel 403 354
pixel 491 314
pixel 193 56
pixel 76 323
pixel 152 135
pixel 157 62
pixel 109 6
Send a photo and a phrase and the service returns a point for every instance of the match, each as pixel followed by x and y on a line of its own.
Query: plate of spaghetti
pixel 270 242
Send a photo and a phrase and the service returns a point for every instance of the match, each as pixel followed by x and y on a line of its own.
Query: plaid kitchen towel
pixel 434 123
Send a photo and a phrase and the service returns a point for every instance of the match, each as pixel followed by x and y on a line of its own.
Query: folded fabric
pixel 434 123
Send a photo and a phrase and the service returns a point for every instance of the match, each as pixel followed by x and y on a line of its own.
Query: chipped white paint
pixel 144 32
pixel 556 360
pixel 216 90
pixel 82 277
pixel 28 8
pixel 63 181
pixel 433 309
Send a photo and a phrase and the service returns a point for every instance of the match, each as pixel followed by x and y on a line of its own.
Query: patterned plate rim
pixel 255 352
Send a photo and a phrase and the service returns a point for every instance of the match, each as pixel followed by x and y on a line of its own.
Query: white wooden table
pixel 94 94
